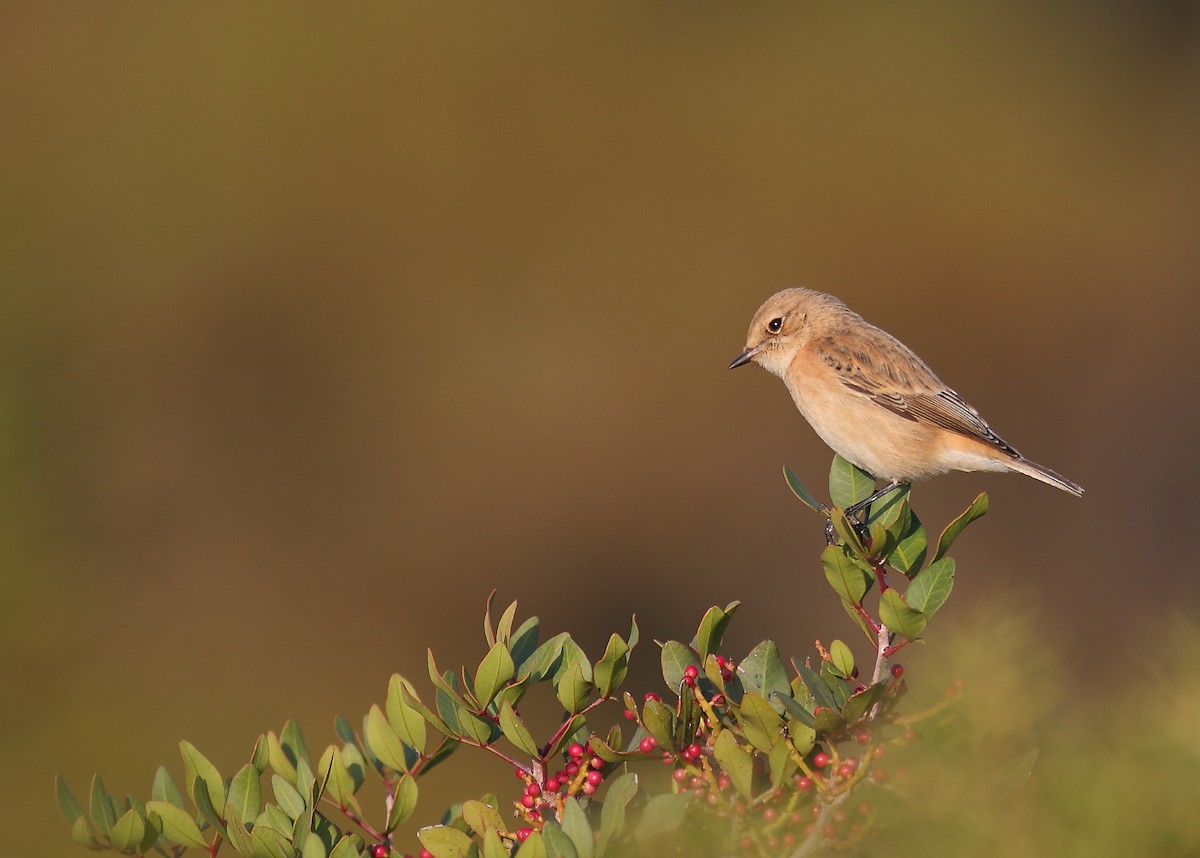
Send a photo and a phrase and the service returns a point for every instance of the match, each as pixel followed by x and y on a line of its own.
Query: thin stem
pixel 883 645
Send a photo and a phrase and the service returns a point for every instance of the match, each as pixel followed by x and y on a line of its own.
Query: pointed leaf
pixel 908 553
pixel 558 842
pixel 977 509
pixel 533 847
pixel 612 815
pixel 761 724
pixel 384 742
pixel 100 808
pixel 675 659
pixel 523 643
pixel 128 831
pixel 482 818
pixel 67 803
pixel 664 814
pixel 842 658
pixel 762 671
pixel 610 670
pixel 245 795
pixel 287 797
pixel 575 824
pixel 800 492
pixel 573 689
pixel 493 846
pixel 712 629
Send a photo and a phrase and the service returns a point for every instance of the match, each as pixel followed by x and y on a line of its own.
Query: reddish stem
pixel 862 612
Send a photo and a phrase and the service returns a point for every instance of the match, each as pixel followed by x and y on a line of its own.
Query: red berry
pixel 679 775
pixel 424 853
pixel 897 670
pixel 576 751
pixel 846 769
pixel 597 763
pixel 571 769
pixel 522 836
pixel 862 737
pixel 630 715
pixel 820 759
pixel 379 851
pixel 723 782
pixel 648 744
pixel 878 774
pixel 770 815
pixel 589 789
pixel 691 671
pixel 697 781
pixel 879 751
pixel 528 802
pixel 533 789
pixel 652 696
pixel 595 778
pixel 804 784
pixel 520 773
pixel 816 711
pixel 692 752
pixel 720 660
pixel 552 785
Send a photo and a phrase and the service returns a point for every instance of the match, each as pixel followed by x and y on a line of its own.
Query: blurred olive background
pixel 321 322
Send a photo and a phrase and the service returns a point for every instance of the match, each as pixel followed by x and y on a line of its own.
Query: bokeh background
pixel 319 323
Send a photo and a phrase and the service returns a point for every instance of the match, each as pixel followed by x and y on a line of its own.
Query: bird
pixel 871 399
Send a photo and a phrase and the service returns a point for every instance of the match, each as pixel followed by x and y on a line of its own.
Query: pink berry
pixel 528 802
pixel 897 670
pixel 424 853
pixel 820 759
pixel 589 789
pixel 522 836
pixel 597 763
pixel 595 778
pixel 648 744
pixel 533 789
pixel 379 851
pixel 652 696
pixel 572 769
pixel 552 785
pixel 679 775
pixel 576 751
pixel 770 815
pixel 691 671
pixel 845 770
pixel 804 784
pixel 630 715
pixel 723 782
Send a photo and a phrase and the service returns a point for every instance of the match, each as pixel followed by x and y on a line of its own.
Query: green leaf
pixel 612 814
pixel 712 629
pixel 799 491
pixel 482 818
pixel 208 811
pixel 493 846
pixel 762 671
pixel 67 803
pixel 675 658
pixel 564 735
pixel 547 658
pixel 659 721
pixel 287 796
pixel 909 551
pixel 444 841
pixel 504 627
pixel 735 761
pixel 195 764
pixel 611 668
pixel 664 814
pixel 100 807
pixel 780 764
pixel 977 509
pixel 404 804
pixel 384 741
pixel 930 589
pixel 292 740
pixel 846 531
pixel 899 617
pixel 515 731
pixel 845 574
pixel 572 689
pixel 575 824
pixel 888 509
pixel 245 795
pixel 523 643
pixel 493 673
pixel 796 709
pixel 260 757
pixel 761 724
pixel 270 843
pixel 442 683
pixel 843 659
pixel 822 694
pixel 533 847
pixel 177 825
pixel 488 633
pixel 858 705
pixel 347 847
pixel 802 736
pixel 849 484
pixel 558 842
pixel 414 702
pixel 339 785
pixel 405 720
pixel 477 728
pixel 128 831
pixel 279 758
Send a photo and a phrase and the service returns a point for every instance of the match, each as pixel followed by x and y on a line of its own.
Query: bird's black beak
pixel 744 358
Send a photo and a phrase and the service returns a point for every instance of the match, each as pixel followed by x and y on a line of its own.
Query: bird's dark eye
pixel 775 326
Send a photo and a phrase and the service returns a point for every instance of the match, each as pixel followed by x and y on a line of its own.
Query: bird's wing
pixel 883 368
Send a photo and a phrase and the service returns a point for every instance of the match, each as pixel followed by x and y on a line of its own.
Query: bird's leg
pixel 853 510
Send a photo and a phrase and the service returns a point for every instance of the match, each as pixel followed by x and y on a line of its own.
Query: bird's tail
pixel 1040 472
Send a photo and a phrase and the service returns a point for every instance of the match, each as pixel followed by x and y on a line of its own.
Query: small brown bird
pixel 871 398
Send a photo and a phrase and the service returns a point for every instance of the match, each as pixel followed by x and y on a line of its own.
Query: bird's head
pixel 783 325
